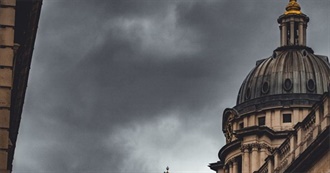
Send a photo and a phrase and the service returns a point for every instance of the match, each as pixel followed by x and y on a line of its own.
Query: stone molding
pixel 257 146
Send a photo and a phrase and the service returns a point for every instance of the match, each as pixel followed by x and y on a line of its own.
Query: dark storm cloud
pixel 123 86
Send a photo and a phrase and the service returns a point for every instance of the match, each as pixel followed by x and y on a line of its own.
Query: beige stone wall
pixel 274 118
pixel 254 157
pixel 7 22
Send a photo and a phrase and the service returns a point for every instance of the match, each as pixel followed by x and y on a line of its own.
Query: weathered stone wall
pixel 7 23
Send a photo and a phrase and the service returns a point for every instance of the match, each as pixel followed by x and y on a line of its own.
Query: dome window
pixel 311 85
pixel 265 87
pixel 287 84
pixel 261 121
pixel 287 118
pixel 241 125
pixel 248 93
pixel 304 52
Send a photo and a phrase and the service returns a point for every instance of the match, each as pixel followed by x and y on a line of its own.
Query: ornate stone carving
pixel 245 147
pixel 229 128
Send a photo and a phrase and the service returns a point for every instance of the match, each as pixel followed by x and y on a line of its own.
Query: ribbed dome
pixel 291 70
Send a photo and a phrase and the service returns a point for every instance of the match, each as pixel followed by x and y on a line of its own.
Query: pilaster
pixel 246 160
pixel 292 42
pixel 254 158
pixel 235 166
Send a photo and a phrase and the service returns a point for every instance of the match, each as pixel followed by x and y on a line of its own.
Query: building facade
pixel 18 26
pixel 282 117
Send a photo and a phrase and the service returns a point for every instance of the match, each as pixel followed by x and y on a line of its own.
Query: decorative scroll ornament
pixel 229 128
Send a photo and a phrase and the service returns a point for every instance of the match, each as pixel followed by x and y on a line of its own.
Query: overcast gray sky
pixel 123 86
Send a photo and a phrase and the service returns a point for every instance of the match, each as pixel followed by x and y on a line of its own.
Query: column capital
pixel 253 146
pixel 245 148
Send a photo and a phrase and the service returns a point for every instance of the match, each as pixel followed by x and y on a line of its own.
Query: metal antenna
pixel 167 168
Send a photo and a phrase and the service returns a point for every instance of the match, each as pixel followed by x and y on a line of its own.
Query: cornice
pixel 261 130
pixel 227 148
pixel 277 101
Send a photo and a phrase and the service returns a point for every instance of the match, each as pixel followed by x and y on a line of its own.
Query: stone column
pixel 263 155
pixel 254 159
pixel 292 33
pixel 292 143
pixel 230 167
pixel 317 117
pixel 246 161
pixel 235 166
pixel 226 170
pixel 270 165
pixel 7 24
pixel 298 142
pixel 281 34
pixel 221 170
pixel 305 35
pixel 292 148
pixel 301 33
pixel 276 160
pixel 284 35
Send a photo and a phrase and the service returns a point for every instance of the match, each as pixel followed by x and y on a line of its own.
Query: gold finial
pixel 293 8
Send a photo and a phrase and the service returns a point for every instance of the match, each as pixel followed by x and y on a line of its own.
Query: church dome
pixel 291 70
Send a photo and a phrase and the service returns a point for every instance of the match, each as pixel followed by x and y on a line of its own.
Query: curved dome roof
pixel 290 70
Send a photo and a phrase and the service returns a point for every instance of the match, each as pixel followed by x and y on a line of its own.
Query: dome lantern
pixel 293 25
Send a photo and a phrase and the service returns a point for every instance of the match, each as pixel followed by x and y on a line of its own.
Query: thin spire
pixel 167 168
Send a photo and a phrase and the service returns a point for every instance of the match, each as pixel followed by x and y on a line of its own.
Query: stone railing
pixel 263 169
pixel 284 154
pixel 298 141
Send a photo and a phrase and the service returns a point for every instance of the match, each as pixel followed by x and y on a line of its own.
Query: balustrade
pixel 306 132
